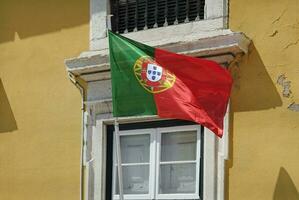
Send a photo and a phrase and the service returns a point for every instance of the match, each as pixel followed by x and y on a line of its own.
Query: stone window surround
pixel 208 38
pixel 215 154
pixel 92 68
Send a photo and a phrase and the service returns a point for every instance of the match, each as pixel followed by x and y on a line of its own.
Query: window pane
pixel 135 179
pixel 177 178
pixel 135 148
pixel 178 146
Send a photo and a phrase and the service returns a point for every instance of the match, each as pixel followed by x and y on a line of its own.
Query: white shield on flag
pixel 154 72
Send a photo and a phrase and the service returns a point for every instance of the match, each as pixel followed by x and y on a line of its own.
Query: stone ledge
pixel 222 48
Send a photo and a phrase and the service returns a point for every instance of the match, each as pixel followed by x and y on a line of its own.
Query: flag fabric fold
pixel 152 81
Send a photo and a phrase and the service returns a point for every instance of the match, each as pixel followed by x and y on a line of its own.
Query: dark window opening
pixel 143 125
pixel 135 15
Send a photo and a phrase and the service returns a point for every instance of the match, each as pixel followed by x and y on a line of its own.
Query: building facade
pixel 45 154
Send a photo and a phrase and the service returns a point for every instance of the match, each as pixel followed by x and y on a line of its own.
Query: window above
pixel 165 21
pixel 136 15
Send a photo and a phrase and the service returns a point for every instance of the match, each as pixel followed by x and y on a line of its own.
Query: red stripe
pixel 200 93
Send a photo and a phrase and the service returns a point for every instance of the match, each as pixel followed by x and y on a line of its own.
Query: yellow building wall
pixel 40 116
pixel 264 145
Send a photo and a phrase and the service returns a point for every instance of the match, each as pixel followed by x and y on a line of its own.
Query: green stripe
pixel 129 97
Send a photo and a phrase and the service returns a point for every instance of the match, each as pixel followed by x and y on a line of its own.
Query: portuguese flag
pixel 152 81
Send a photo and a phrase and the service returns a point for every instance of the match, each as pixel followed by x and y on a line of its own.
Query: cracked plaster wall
pixel 265 124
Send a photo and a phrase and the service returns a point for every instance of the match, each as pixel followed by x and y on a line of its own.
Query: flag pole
pixel 118 155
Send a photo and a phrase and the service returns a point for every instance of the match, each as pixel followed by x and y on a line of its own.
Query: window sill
pixel 170 34
pixel 222 46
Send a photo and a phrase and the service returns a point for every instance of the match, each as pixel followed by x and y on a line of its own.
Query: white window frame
pixel 154 165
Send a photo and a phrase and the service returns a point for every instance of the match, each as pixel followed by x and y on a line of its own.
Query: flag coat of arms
pixel 152 81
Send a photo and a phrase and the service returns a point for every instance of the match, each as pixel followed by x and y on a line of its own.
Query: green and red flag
pixel 152 81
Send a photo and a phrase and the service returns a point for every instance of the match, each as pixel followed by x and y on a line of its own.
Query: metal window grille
pixel 135 15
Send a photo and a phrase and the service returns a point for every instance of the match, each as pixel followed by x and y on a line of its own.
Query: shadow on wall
pixel 7 119
pixel 285 188
pixel 253 88
pixel 34 17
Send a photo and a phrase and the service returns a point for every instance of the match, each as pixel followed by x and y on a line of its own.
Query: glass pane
pixel 135 148
pixel 135 179
pixel 178 146
pixel 177 178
